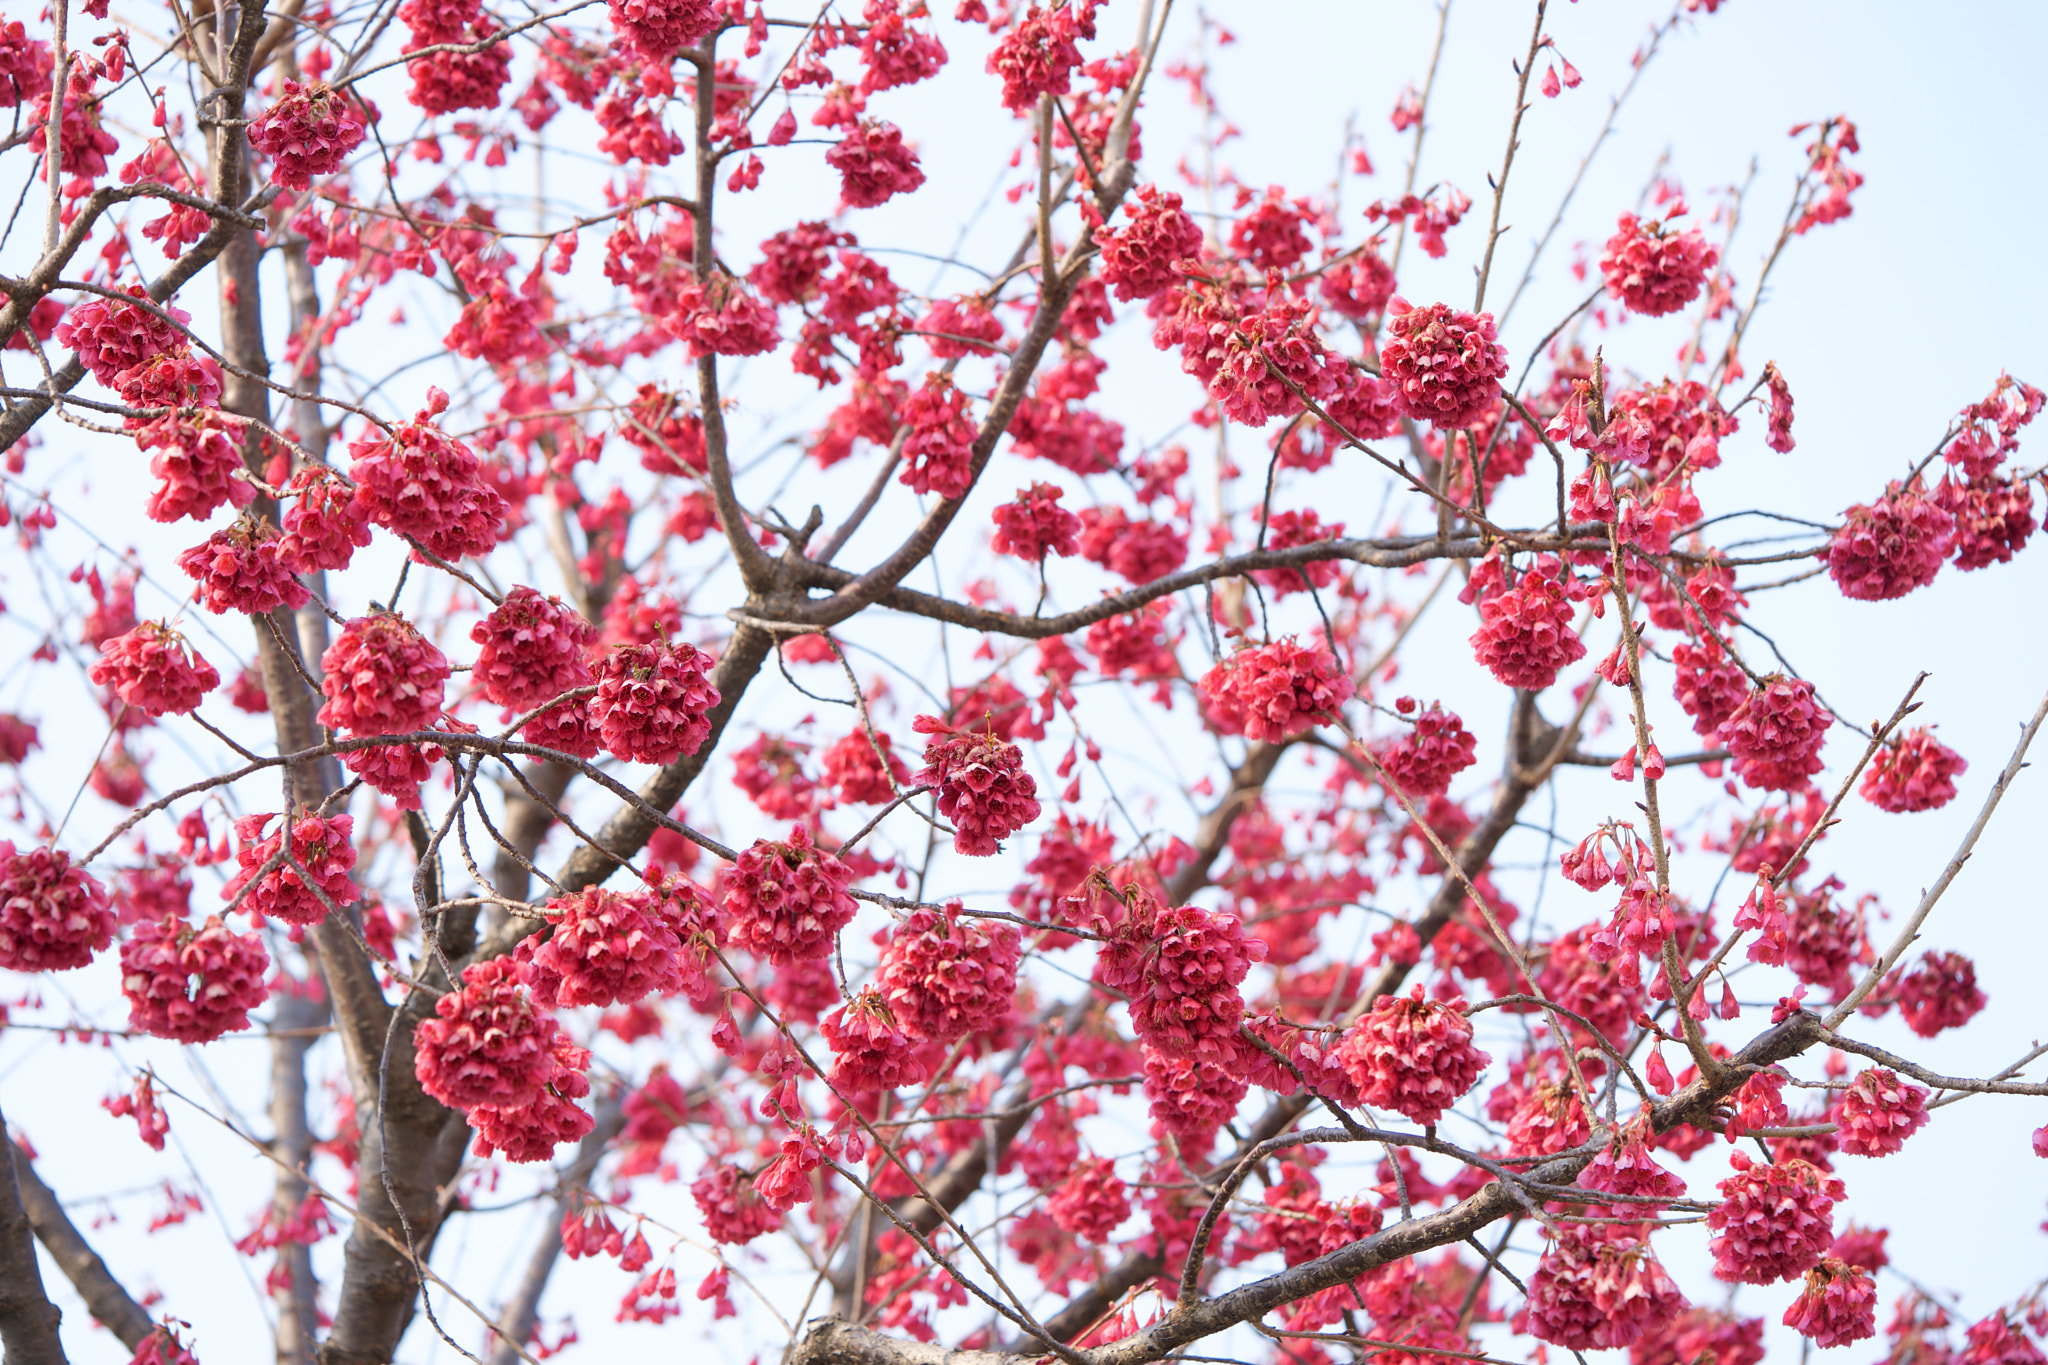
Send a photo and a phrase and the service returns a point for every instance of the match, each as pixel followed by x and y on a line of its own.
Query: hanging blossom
pixel 1138 259
pixel 1445 365
pixel 324 527
pixel 1436 749
pixel 1773 1221
pixel 658 29
pixel 532 1132
pixel 938 445
pixel 1091 1202
pixel 1879 1112
pixel 53 916
pixel 320 844
pixel 1034 525
pixel 1654 270
pixel 605 948
pixel 1914 772
pixel 874 165
pixel 1525 636
pixel 1886 551
pixel 198 461
pixel 721 316
pixel 982 786
pixel 653 701
pixel 787 901
pixel 1837 1306
pixel 1413 1057
pixel 870 1051
pixel 946 974
pixel 423 483
pixel 1940 993
pixel 863 770
pixel 111 336
pixel 309 131
pixel 1775 736
pixel 1600 1287
pixel 531 649
pixel 1275 691
pixel 152 668
pixel 241 568
pixel 382 677
pixel 488 1044
pixel 1182 968
pixel 1037 56
pixel 192 985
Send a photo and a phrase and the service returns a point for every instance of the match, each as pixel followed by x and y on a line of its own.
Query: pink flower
pixel 192 985
pixel 532 1131
pixel 946 975
pixel 309 131
pixel 1600 1287
pixel 396 770
pixel 1037 57
pixel 1091 1203
pixel 1994 518
pixel 938 452
pixel 1779 437
pixel 1914 772
pixel 1140 551
pixel 1655 271
pixel 1773 1221
pixel 1888 550
pixel 1940 993
pixel 653 701
pixel 1838 1305
pixel 721 316
pixel 152 668
pixel 1879 1112
pixel 1034 525
pixel 325 526
pixel 1424 759
pixel 530 650
pixel 1710 686
pixel 658 29
pixel 320 845
pixel 1190 1097
pixel 1257 364
pixel 241 568
pixel 858 773
pixel 382 677
pixel 733 1212
pixel 786 902
pixel 1445 365
pixel 1775 736
pixel 870 1051
pixel 1138 259
pixel 1525 636
pixel 1182 969
pixel 199 461
pixel 873 164
pixel 983 788
pixel 605 948
pixel 421 482
pixel 53 916
pixel 110 336
pixel 488 1043
pixel 443 82
pixel 1275 691
pixel 1271 235
pixel 1285 531
pixel 1412 1057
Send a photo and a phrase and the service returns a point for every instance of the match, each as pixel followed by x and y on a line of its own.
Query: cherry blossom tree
pixel 629 705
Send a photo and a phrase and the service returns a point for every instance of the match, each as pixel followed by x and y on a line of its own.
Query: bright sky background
pixel 1884 324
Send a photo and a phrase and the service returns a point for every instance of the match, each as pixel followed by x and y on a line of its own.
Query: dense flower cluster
pixel 653 701
pixel 531 1131
pixel 530 650
pixel 1413 1057
pixel 382 677
pixel 192 985
pixel 1525 636
pixel 1655 271
pixel 488 1044
pixel 1037 56
pixel 787 901
pixel 733 1212
pixel 1888 550
pixel 874 165
pixel 946 974
pixel 198 463
pixel 1091 1202
pixel 1599 1287
pixel 606 948
pixel 1034 525
pixel 1710 685
pixel 938 447
pixel 863 770
pixel 1838 1305
pixel 1445 365
pixel 320 845
pixel 1274 692
pixel 1425 758
pixel 53 916
pixel 1138 259
pixel 1879 1112
pixel 658 29
pixel 324 527
pixel 152 668
pixel 1914 772
pixel 309 131
pixel 112 337
pixel 982 786
pixel 721 316
pixel 870 1051
pixel 1940 993
pixel 1775 736
pixel 420 482
pixel 1773 1221
pixel 241 568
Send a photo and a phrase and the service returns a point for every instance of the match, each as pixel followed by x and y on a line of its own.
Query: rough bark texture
pixel 28 1320
pixel 109 1304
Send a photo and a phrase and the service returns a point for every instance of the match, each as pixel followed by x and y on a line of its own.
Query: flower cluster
pixel 1654 271
pixel 1775 736
pixel 111 336
pixel 533 1130
pixel 1773 1221
pixel 382 677
pixel 1914 772
pixel 1600 1287
pixel 983 788
pixel 733 1212
pixel 874 165
pixel 421 482
pixel 53 916
pixel 1423 761
pixel 192 985
pixel 860 774
pixel 606 948
pixel 310 130
pixel 488 1044
pixel 530 650
pixel 1034 525
pixel 325 527
pixel 1888 550
pixel 1138 259
pixel 786 902
pixel 721 316
pixel 1091 1202
pixel 1525 636
pixel 198 461
pixel 153 669
pixel 1445 365
pixel 653 701
pixel 1710 685
pixel 241 568
pixel 1879 1112
pixel 938 449
pixel 1276 691
pixel 1181 969
pixel 1940 993
pixel 658 29
pixel 1838 1305
pixel 946 974
pixel 870 1051
pixel 1037 56
pixel 320 845
pixel 1413 1057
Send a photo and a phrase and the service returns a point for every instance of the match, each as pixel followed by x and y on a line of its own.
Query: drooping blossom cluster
pixel 1034 525
pixel 946 974
pixel 658 29
pixel 1654 270
pixel 1940 993
pixel 192 985
pixel 382 677
pixel 605 948
pixel 721 316
pixel 420 482
pixel 321 845
pixel 324 526
pixel 487 1044
pixel 1600 1287
pixel 1091 1203
pixel 863 770
pixel 1837 1306
pixel 152 668
pixel 1914 772
pixel 1276 691
pixel 1181 968
pixel 1879 1112
pixel 1413 1056
pixel 198 465
pixel 309 131
pixel 53 915
pixel 1445 365
pixel 870 1050
pixel 732 1209
pixel 1138 259
pixel 531 649
pixel 874 165
pixel 982 786
pixel 1037 56
pixel 1525 636
pixel 1886 551
pixel 653 701
pixel 112 337
pixel 786 901
pixel 1773 1221
pixel 532 1131
pixel 938 448
pixel 1424 759
pixel 1775 736
pixel 241 567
